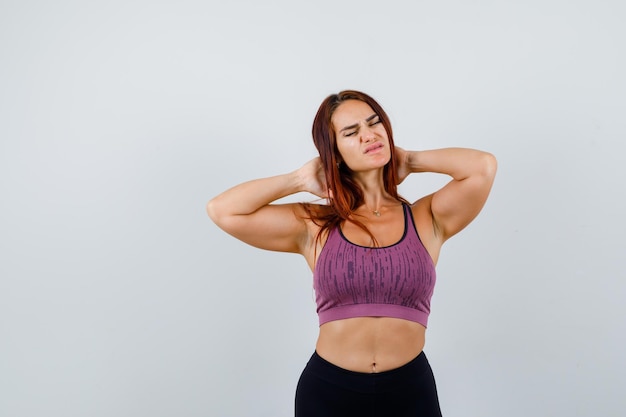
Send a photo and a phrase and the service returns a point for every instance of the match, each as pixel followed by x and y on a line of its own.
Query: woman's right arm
pixel 245 212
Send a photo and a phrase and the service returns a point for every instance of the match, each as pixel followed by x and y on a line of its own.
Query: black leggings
pixel 326 390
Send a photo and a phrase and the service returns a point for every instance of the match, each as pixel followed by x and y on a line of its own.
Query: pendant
pixel 376 213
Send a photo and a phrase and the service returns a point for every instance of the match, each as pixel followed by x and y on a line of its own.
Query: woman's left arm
pixel 456 204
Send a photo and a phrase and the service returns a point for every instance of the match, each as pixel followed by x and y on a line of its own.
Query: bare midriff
pixel 370 344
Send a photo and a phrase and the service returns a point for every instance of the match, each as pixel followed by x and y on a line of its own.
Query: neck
pixel 377 202
pixel 375 198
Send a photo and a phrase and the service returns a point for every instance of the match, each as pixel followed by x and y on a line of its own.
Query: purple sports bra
pixel 391 281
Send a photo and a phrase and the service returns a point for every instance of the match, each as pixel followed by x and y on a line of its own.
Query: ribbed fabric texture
pixel 392 281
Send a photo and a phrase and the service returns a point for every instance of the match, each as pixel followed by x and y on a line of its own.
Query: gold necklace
pixel 374 212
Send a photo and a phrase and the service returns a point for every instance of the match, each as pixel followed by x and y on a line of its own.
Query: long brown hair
pixel 347 195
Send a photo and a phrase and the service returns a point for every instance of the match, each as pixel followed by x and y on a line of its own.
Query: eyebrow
pixel 356 124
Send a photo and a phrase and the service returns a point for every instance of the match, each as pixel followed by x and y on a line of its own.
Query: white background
pixel 120 119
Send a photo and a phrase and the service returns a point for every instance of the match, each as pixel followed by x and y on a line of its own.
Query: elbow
pixel 489 165
pixel 212 209
pixel 217 213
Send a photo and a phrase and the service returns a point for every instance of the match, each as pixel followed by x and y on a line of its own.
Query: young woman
pixel 372 253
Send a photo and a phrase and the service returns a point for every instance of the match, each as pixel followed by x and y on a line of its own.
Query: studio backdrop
pixel 119 120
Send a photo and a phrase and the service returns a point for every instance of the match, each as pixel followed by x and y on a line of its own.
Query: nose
pixel 367 134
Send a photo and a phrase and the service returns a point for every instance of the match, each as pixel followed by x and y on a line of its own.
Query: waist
pixel 370 344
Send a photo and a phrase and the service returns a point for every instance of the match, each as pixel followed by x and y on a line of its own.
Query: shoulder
pixel 426 227
pixel 315 217
pixel 422 214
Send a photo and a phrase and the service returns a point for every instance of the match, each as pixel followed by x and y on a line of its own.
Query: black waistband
pixel 368 382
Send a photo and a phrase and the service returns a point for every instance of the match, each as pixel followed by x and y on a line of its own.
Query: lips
pixel 373 147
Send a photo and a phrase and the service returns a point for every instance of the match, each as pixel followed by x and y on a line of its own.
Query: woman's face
pixel 361 137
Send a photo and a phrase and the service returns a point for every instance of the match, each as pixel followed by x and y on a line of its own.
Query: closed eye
pixel 375 122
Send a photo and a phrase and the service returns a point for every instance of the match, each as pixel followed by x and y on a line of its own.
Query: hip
pixel 324 389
